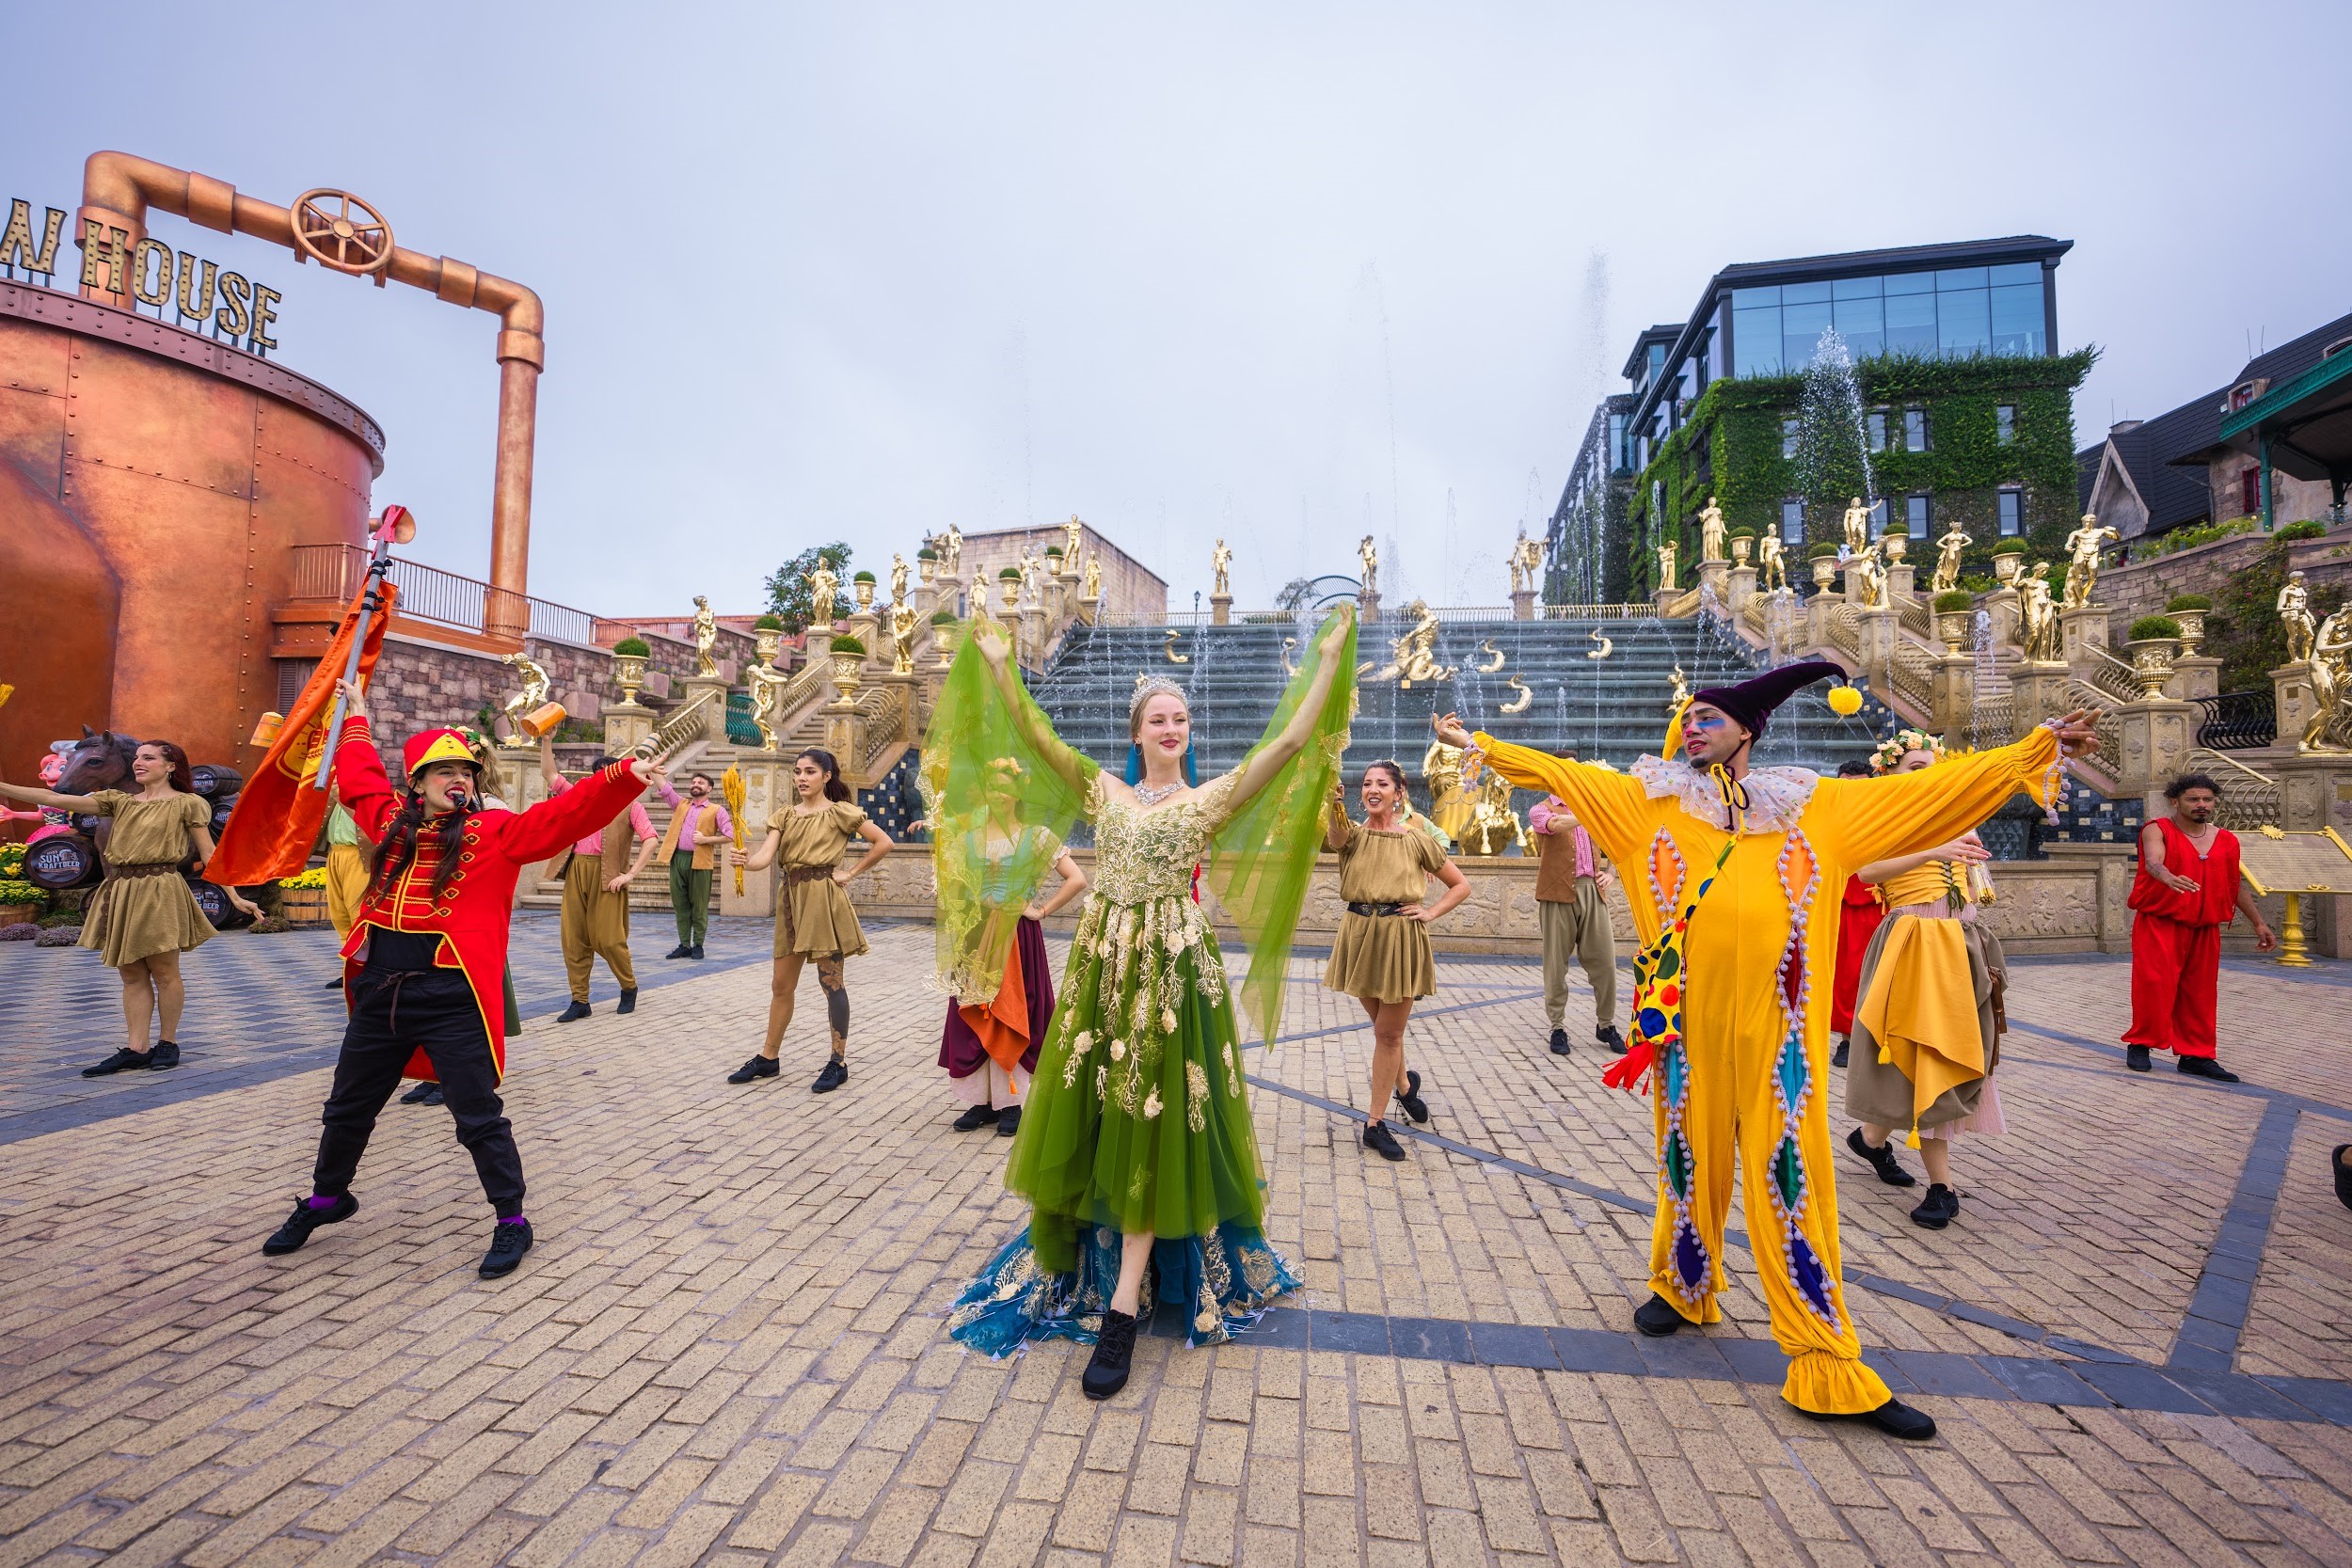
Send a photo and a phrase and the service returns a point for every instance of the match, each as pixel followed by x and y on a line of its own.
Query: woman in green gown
pixel 1138 1151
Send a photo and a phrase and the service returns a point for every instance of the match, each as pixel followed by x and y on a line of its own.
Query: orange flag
pixel 279 810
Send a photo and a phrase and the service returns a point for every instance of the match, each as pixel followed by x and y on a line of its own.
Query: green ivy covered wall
pixel 1730 448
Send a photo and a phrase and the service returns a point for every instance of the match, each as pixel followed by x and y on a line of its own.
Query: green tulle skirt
pixel 1138 1116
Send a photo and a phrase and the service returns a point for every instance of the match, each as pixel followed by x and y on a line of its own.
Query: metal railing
pixel 1914 616
pixel 2238 721
pixel 1595 612
pixel 1914 670
pixel 2249 798
pixel 883 713
pixel 2111 676
pixel 1845 629
pixel 429 594
pixel 1992 721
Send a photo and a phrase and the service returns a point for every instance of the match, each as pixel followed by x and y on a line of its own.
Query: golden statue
pixel 898 577
pixel 824 593
pixel 1867 573
pixel 1521 703
pixel 1371 559
pixel 980 593
pixel 1221 567
pixel 2295 613
pixel 1493 825
pixel 1946 577
pixel 1169 647
pixel 1094 574
pixel 2331 726
pixel 1070 531
pixel 2037 631
pixel 1711 532
pixel 1606 648
pixel 1666 567
pixel 1681 691
pixel 767 683
pixel 1488 647
pixel 1449 803
pixel 1772 563
pixel 705 638
pixel 1414 656
pixel 1527 559
pixel 534 692
pixel 1032 576
pixel 951 552
pixel 902 623
pixel 2082 565
pixel 1857 526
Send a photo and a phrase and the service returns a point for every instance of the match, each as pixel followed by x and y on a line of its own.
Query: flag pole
pixel 395 522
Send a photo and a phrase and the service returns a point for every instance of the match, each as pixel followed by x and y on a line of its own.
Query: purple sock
pixel 322 1200
pixel 513 1219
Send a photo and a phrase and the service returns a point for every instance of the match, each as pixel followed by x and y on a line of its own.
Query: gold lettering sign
pixel 151 273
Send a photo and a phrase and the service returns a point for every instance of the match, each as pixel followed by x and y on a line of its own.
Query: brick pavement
pixel 729 1345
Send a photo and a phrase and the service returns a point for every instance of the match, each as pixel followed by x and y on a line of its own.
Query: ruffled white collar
pixel 1776 795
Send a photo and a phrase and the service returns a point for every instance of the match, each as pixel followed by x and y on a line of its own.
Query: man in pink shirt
pixel 698 825
pixel 1572 907
pixel 596 876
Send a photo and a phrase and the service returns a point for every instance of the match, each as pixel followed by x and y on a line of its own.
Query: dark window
pixel 1789 438
pixel 293 675
pixel 1915 521
pixel 1915 430
pixel 1618 456
pixel 1878 430
pixel 2013 513
pixel 2005 423
pixel 1792 520
pixel 2249 491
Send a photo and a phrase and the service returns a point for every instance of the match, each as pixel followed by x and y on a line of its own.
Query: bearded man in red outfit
pixel 424 961
pixel 2187 889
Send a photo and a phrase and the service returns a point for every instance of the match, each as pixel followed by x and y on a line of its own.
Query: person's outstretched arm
pixel 1036 730
pixel 1274 755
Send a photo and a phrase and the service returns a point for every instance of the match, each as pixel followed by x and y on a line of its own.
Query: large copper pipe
pixel 116 191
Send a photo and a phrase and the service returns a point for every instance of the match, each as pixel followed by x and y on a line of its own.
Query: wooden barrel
pixel 221 808
pixel 224 915
pixel 62 861
pixel 216 780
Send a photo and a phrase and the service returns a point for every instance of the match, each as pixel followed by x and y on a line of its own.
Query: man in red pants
pixel 2187 889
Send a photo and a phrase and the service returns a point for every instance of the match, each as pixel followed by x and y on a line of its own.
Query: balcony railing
pixel 443 598
pixel 2238 721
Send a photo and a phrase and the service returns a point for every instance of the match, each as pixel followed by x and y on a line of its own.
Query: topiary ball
pixel 1845 701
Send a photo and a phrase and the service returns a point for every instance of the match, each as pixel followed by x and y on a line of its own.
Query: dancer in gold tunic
pixel 1734 860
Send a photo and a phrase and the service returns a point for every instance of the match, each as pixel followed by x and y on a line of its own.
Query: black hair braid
pixel 397 849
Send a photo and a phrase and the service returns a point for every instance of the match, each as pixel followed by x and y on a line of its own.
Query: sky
pixel 1284 275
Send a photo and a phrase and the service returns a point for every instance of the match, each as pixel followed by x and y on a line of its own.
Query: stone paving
pixel 729 1345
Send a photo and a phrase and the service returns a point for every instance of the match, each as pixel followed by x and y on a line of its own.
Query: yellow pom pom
pixel 1845 701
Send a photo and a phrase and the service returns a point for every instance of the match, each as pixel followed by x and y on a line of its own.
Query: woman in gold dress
pixel 1381 956
pixel 814 917
pixel 143 917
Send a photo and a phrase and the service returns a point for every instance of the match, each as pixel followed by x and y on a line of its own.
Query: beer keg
pixel 62 861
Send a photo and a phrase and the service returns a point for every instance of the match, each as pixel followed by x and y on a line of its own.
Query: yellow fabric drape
pixel 1922 1009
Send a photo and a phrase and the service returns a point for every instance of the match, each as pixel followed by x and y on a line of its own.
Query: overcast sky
pixel 1286 274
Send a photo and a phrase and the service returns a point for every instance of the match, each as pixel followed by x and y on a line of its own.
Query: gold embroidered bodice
pixel 1146 853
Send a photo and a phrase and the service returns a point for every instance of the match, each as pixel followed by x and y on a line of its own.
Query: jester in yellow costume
pixel 1735 874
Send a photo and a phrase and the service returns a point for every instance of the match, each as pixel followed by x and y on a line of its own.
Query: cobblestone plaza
pixel 730 1343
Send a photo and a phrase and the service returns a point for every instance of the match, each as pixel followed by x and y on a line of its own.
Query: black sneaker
pixel 1894 1417
pixel 974 1119
pixel 335 984
pixel 758 1067
pixel 1938 1209
pixel 573 1014
pixel 1382 1141
pixel 165 1054
pixel 1409 1096
pixel 680 951
pixel 432 1095
pixel 124 1060
pixel 2340 1163
pixel 1657 1316
pixel 1560 1042
pixel 1881 1159
pixel 695 951
pixel 1008 1122
pixel 1607 1034
pixel 289 1236
pixel 628 1002
pixel 1107 1372
pixel 2136 1057
pixel 1838 1058
pixel 418 1095
pixel 2206 1066
pixel 509 1240
pixel 835 1073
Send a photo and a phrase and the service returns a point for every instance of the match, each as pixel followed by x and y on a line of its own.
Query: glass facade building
pixel 1951 312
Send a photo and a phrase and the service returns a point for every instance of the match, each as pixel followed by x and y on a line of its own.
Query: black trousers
pixel 398 1011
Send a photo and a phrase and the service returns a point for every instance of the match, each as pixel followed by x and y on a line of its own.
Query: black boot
pixel 1560 1042
pixel 422 1092
pixel 289 1236
pixel 680 951
pixel 835 1073
pixel 1657 1316
pixel 573 1014
pixel 695 951
pixel 1409 1098
pixel 629 1000
pixel 1894 1417
pixel 509 1240
pixel 1881 1158
pixel 1008 1122
pixel 1106 1373
pixel 1938 1209
pixel 1838 1058
pixel 2206 1066
pixel 974 1119
pixel 2136 1057
pixel 1382 1141
pixel 758 1067
pixel 124 1060
pixel 432 1095
pixel 1607 1034
pixel 2340 1163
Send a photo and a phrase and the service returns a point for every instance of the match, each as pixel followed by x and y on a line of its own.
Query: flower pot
pixel 2151 664
pixel 1011 592
pixel 924 567
pixel 1740 548
pixel 1824 571
pixel 302 905
pixel 1891 544
pixel 628 674
pixel 1953 627
pixel 848 672
pixel 2006 567
pixel 21 914
pixel 864 595
pixel 765 644
pixel 2192 629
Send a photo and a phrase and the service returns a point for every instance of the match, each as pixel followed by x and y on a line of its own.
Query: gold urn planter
pixel 2006 567
pixel 865 587
pixel 849 672
pixel 1892 544
pixel 767 643
pixel 2151 664
pixel 1740 547
pixel 1824 571
pixel 924 566
pixel 2192 629
pixel 1953 627
pixel 628 674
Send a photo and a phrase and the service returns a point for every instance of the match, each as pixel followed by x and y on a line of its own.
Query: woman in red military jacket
pixel 422 966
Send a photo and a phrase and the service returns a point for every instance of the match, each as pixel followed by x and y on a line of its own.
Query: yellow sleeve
pixel 1614 807
pixel 1856 821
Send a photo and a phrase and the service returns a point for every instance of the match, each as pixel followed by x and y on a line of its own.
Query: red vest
pixel 472 917
pixel 2216 873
